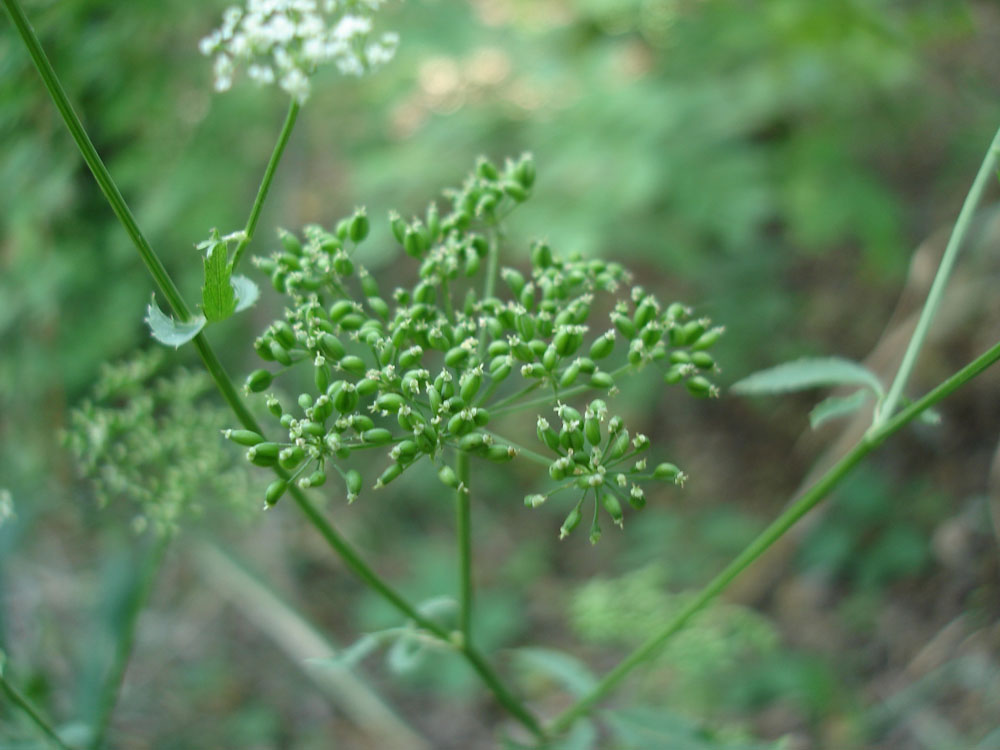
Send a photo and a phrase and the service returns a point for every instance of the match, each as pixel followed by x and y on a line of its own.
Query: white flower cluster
pixel 285 41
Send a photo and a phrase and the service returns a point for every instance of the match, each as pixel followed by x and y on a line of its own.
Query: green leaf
pixel 809 373
pixel 836 406
pixel 246 292
pixel 564 669
pixel 168 331
pixel 218 298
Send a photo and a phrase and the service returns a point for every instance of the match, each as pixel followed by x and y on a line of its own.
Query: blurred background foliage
pixel 774 163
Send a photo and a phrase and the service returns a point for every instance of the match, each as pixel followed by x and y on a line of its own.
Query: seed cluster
pixel 285 41
pixel 428 368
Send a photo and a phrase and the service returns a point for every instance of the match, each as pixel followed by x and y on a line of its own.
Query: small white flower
pixel 285 41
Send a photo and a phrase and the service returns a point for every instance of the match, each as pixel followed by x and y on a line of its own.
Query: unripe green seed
pixel 619 447
pixel 259 380
pixel 700 387
pixel 321 377
pixel 448 477
pixel 366 387
pixel 459 424
pixel 316 479
pixel 547 435
pixel 526 325
pixel 514 280
pixel 456 356
pixel 353 481
pixel 702 360
pixel 472 261
pixel 313 428
pixel 624 325
pixel 362 422
pixel 516 191
pixel 274 491
pixel 379 306
pixel 527 297
pixel 414 243
pixel 342 264
pixel 469 385
pixel 267 450
pixel 331 347
pixel 679 357
pixel 571 522
pixel 667 472
pixel 244 437
pixel 497 348
pixel 592 430
pixel 339 309
pixel 352 321
pixel 410 357
pixel 376 436
pixel 290 458
pixel 708 339
pixel 389 402
pixel 675 311
pixel 602 346
pixel 305 401
pixel 570 374
pixel 359 226
pixel 586 365
pixel 644 314
pixel 290 242
pixel 389 474
pixel 353 364
pixel 284 334
pixel 474 441
pixel 602 380
pixel 613 507
pixel 674 375
pixel 550 358
pixel 263 348
pixel 280 354
pixel 541 255
pixel 398 226
pixel 500 453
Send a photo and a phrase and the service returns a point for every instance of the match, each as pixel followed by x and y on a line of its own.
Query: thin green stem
pixel 936 292
pixel 463 532
pixel 265 183
pixel 126 642
pixel 568 393
pixel 531 455
pixel 507 404
pixel 19 700
pixel 809 499
pixel 514 706
pixel 222 380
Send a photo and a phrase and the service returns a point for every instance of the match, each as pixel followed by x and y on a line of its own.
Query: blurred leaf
pixel 563 668
pixel 168 331
pixel 808 373
pixel 835 407
pixel 641 728
pixel 247 292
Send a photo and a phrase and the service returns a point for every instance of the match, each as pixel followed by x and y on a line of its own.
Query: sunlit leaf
pixel 836 406
pixel 168 331
pixel 218 296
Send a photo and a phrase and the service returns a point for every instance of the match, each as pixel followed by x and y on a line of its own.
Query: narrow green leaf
pixel 168 331
pixel 247 292
pixel 218 298
pixel 836 406
pixel 809 373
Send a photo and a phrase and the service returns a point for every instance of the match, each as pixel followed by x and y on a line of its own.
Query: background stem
pixel 15 697
pixel 463 533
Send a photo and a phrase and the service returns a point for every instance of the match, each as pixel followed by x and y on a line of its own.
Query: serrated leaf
pixel 809 373
pixel 246 291
pixel 168 331
pixel 836 406
pixel 571 673
pixel 218 297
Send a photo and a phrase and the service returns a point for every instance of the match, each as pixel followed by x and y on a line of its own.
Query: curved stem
pixel 940 280
pixel 542 401
pixel 810 499
pixel 463 533
pixel 15 697
pixel 123 652
pixel 265 183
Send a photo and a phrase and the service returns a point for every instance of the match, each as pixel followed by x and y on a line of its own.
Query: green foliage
pixel 153 441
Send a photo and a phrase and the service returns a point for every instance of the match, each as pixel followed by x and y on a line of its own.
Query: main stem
pixel 123 651
pixel 464 534
pixel 810 499
pixel 222 380
pixel 958 234
pixel 265 183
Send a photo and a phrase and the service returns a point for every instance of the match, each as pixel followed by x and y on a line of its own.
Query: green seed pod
pixel 414 243
pixel 586 365
pixel 456 356
pixel 686 334
pixel 526 325
pixel 305 401
pixel 666 472
pixel 389 474
pixel 433 221
pixel 316 479
pixel 290 242
pixel 342 264
pixel 702 360
pixel 700 387
pixel 286 420
pixel 434 397
pixel 410 357
pixel 259 380
pixel 389 402
pixel 361 423
pixel 352 321
pixel 369 287
pixel 524 171
pixel 263 348
pixel 376 436
pixel 592 430
pixel 353 481
pixel 514 280
pixel 571 439
pixel 569 376
pixel 331 347
pixel 602 380
pixel 500 453
pixel 321 377
pixel 460 424
pixel 624 325
pixel 290 458
pixel 480 416
pixel 486 169
pixel 313 428
pixel 675 312
pixel 547 435
pixel 497 348
pixel 527 296
pixel 637 500
pixel 679 357
pixel 243 437
pixel 379 306
pixel 650 335
pixel 266 450
pixel 619 447
pixel 550 358
pixel 274 406
pixel 674 375
pixel 345 397
pixel 500 368
pixel 603 346
pixel 708 339
pixel 570 415
pixel 281 354
pixel 284 334
pixel 274 491
pixel 516 191
pixel 474 441
pixel 541 255
pixel 323 409
pixel 644 314
pixel 358 228
pixel 366 387
pixel 557 470
pixel 353 364
pixel 448 477
pixel 571 522
pixel 534 370
pixel 522 351
pixel 339 309
pixel 469 385
pixel 279 281
pixel 398 226
pixel 613 507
